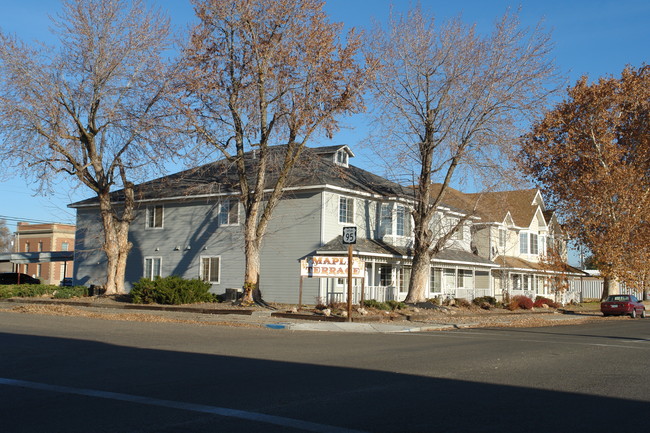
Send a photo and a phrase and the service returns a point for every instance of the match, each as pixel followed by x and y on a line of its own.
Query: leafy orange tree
pixel 261 73
pixel 591 156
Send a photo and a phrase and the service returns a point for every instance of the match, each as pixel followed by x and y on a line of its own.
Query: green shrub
pixel 171 290
pixel 396 305
pixel 34 290
pixel 371 303
pixel 70 292
pixel 485 300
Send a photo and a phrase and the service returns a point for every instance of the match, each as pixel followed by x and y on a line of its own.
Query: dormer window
pixel 341 158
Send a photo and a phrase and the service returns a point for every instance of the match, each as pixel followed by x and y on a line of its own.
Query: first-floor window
pixel 152 267
pixel 385 277
pixel 465 278
pixel 436 280
pixel 404 277
pixel 210 267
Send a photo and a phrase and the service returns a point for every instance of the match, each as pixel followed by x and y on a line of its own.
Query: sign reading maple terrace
pixel 326 267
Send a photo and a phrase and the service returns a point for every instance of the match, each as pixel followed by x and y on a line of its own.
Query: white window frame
pixel 341 158
pixel 401 225
pixel 533 244
pixel 386 219
pixel 349 210
pixel 225 208
pixel 151 275
pixel 151 217
pixel 503 239
pixel 65 246
pixel 523 243
pixel 201 269
pixel 435 280
pixel 542 244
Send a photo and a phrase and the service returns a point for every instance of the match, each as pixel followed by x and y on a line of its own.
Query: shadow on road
pixel 353 398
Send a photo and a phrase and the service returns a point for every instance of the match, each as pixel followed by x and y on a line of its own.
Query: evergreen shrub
pixel 172 290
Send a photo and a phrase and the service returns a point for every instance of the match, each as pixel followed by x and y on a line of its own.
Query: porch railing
pixel 392 293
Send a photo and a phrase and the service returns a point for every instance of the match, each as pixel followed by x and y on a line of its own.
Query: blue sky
pixel 591 37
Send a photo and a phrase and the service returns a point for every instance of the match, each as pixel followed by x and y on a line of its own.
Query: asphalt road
pixel 66 374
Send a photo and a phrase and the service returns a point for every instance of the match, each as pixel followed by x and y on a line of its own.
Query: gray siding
pixel 89 258
pixel 191 230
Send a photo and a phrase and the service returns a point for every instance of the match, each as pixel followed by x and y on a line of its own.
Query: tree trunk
pixel 610 287
pixel 116 247
pixel 252 247
pixel 419 277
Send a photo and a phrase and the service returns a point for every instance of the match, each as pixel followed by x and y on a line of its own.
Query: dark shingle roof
pixel 220 177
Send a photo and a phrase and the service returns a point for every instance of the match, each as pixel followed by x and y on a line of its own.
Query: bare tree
pixel 93 108
pixel 590 154
pixel 262 73
pixel 5 237
pixel 453 101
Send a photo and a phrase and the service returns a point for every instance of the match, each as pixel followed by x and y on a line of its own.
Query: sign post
pixel 349 239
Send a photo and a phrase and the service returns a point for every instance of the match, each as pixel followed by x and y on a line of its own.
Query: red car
pixel 621 305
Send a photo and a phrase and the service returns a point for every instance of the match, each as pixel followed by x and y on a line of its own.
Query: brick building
pixel 45 238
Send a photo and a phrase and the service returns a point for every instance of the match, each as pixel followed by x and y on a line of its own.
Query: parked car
pixel 16 278
pixel 622 305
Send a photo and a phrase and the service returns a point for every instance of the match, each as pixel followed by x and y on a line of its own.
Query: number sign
pixel 349 235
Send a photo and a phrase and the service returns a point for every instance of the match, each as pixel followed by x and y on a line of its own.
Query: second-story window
pixel 346 210
pixel 386 219
pixel 502 240
pixel 155 217
pixel 229 212
pixel 400 216
pixel 523 243
pixel 65 246
pixel 533 243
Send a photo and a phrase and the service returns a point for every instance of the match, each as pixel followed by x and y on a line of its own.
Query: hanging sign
pixel 331 267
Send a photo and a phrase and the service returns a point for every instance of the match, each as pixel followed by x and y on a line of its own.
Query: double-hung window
pixel 346 210
pixel 152 267
pixel 155 217
pixel 210 269
pixel 342 158
pixel 386 219
pixel 533 243
pixel 523 243
pixel 229 212
pixel 502 240
pixel 400 227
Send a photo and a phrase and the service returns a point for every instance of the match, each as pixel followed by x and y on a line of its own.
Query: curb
pixel 171 308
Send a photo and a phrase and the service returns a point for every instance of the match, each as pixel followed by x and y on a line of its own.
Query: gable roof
pixel 221 178
pixel 495 206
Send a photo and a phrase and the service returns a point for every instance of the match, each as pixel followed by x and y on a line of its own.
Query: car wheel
pixel 605 314
pixel 633 313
